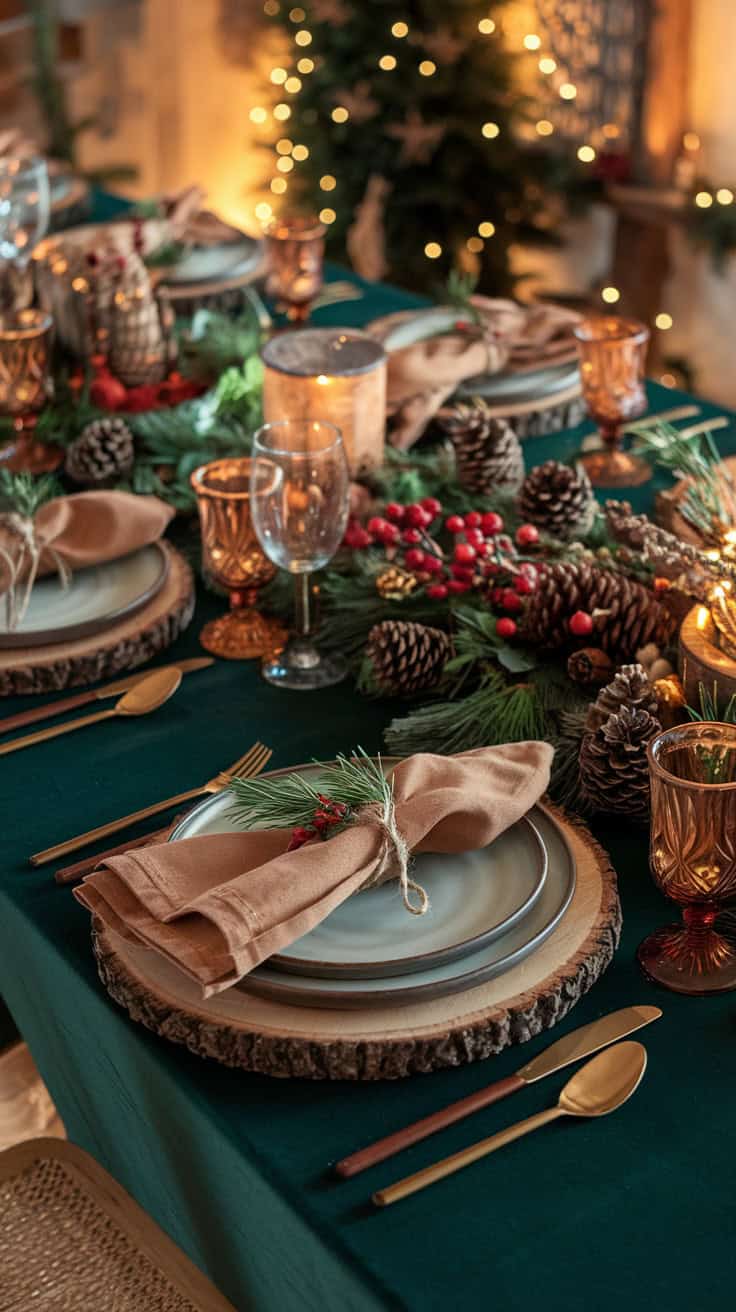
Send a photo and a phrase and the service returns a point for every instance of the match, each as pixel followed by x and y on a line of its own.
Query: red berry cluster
pixel 326 816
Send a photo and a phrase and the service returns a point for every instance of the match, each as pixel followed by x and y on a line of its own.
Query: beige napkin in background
pixel 219 904
pixel 88 528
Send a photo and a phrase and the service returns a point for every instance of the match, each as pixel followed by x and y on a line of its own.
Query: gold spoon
pixel 143 697
pixel 599 1087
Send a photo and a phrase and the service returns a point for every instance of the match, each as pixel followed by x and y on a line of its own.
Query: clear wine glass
pixel 299 495
pixel 25 206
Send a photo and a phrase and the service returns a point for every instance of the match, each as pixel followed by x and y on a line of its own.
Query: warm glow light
pixel 387 62
pixel 271 7
pixel 278 186
pixel 568 91
pixel 586 154
pixel 532 41
pixel 399 30
pixel 486 229
pixel 486 26
pixel 303 38
pixel 305 66
pixel 258 115
pixel 611 131
pixel 297 15
pixel 278 75
pixel 691 141
pixel 327 215
pixel 284 164
pixel 281 111
pixel 702 618
pixel 474 244
pixel 292 85
pixel 433 250
pixel 724 196
pixel 663 321
pixel 284 146
pixel 610 295
pixel 263 211
pixel 669 380
pixel 300 152
pixel 427 68
pixel 322 379
pixel 340 114
pixel 703 200
pixel 327 182
pixel 547 64
pixel 490 129
pixel 545 128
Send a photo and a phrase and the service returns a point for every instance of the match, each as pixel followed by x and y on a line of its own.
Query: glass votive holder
pixel 25 362
pixel 612 353
pixel 295 250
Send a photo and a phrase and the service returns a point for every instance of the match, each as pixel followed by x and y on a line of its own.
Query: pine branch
pixel 288 801
pixel 24 494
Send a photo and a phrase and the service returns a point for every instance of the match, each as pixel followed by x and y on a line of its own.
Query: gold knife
pixel 99 694
pixel 572 1047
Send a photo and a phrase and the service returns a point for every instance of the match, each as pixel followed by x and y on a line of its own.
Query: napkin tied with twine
pixel 219 904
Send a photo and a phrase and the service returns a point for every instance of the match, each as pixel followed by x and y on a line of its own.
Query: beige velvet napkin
pixel 89 528
pixel 219 904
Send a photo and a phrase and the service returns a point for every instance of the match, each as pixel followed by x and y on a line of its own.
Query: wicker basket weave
pixel 72 1240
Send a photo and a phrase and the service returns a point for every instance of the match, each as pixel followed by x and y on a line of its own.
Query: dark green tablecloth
pixel 634 1211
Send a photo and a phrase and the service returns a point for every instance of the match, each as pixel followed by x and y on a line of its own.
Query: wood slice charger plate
pixel 127 643
pixel 255 1033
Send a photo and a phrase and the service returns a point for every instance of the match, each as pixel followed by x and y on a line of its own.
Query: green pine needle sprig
pixel 24 494
pixel 290 800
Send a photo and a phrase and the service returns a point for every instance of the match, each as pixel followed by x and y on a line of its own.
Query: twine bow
pixel 394 858
pixel 20 557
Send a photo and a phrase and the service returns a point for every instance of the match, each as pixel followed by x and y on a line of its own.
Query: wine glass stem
pixel 610 431
pixel 302 608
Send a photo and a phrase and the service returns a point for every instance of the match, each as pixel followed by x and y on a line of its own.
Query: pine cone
pixel 590 667
pixel 630 687
pixel 406 657
pixel 626 615
pixel 614 773
pixel 558 499
pixel 487 450
pixel 101 454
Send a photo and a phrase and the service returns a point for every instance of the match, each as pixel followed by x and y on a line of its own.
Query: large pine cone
pixel 630 687
pixel 558 499
pixel 102 454
pixel 487 450
pixel 406 657
pixel 626 615
pixel 614 773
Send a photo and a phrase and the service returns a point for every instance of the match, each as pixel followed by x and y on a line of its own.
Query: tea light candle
pixel 338 374
pixel 25 361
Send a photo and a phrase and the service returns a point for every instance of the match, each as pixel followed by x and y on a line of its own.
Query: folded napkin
pixel 89 528
pixel 219 904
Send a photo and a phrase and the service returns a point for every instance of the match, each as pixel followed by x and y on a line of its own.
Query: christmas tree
pixel 403 125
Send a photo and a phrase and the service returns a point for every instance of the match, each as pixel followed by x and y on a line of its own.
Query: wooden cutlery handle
pixel 455 1111
pixel 46 711
pixel 70 874
pixel 43 735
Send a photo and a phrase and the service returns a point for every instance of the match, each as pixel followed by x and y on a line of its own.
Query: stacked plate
pixel 489 909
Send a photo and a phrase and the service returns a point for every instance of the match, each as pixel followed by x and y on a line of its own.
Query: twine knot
pixel 394 857
pixel 20 557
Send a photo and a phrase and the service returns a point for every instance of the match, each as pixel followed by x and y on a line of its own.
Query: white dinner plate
pixel 95 598
pixel 228 259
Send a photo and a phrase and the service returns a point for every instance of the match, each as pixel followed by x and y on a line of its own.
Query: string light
pixel 340 114
pixel 297 15
pixel 668 380
pixel 278 75
pixel 703 200
pixel 610 295
pixel 611 131
pixel 300 153
pixel 327 182
pixel 486 26
pixel 474 244
pixel 545 128
pixel 271 7
pixel 433 250
pixel 486 229
pixel 663 321
pixel 568 91
pixel 400 30
pixel 282 112
pixel 305 66
pixel 278 186
pixel 284 164
pixel 691 141
pixel 303 37
pixel 387 62
pixel 724 196
pixel 532 41
pixel 263 211
pixel 490 130
pixel 327 216
pixel 427 68
pixel 586 154
pixel 284 146
pixel 292 85
pixel 547 64
pixel 258 114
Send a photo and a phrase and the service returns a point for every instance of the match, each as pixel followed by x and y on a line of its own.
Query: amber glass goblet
pixel 693 856
pixel 295 249
pixel 612 355
pixel 231 555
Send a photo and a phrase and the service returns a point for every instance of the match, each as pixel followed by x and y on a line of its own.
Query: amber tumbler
pixel 693 856
pixel 295 248
pixel 612 353
pixel 232 557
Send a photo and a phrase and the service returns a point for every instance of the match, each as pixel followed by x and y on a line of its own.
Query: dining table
pixel 632 1210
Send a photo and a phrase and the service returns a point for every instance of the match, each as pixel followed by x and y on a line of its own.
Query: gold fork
pixel 248 765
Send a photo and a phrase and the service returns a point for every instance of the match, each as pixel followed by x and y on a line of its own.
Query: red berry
pixel 581 623
pixel 504 543
pixel 416 516
pixel 475 537
pixel 411 536
pixel 456 586
pixel 490 568
pixel 491 523
pixel 505 627
pixel 464 553
pixel 473 519
pixel 432 564
pixel 481 548
pixel 363 538
pixel 455 524
pixel 511 600
pixel 432 506
pixel 375 524
pixel 465 573
pixel 437 591
pixel 388 534
pixel 527 535
pixel 414 559
pixel 497 595
pixel 395 511
pixel 523 584
pixel 529 571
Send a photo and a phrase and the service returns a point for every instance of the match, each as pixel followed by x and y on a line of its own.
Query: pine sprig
pixel 288 801
pixel 24 494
